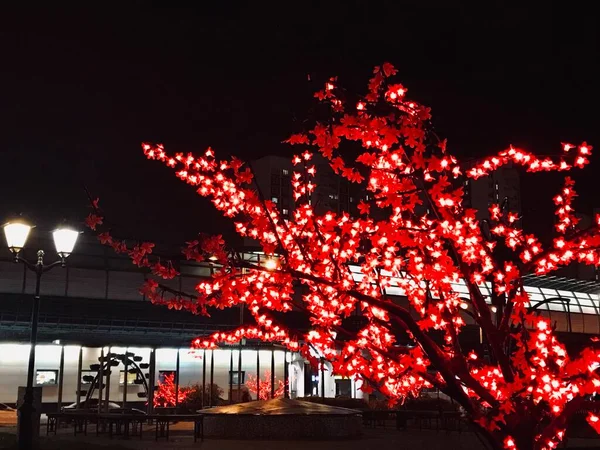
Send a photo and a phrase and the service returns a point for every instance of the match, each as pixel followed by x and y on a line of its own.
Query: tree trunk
pixel 488 438
pixel 523 435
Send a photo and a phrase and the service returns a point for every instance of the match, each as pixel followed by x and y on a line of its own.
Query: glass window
pixel 461 288
pixel 162 374
pixel 274 200
pixel 549 292
pixel 285 172
pixel 588 310
pixel 585 302
pixel 485 288
pixel 532 289
pixel 285 212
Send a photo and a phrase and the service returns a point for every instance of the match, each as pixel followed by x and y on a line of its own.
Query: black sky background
pixel 81 88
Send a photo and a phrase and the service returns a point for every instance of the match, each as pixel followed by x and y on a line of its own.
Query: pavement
pixel 181 438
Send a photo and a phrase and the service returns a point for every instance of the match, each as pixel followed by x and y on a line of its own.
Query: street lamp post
pixel 16 233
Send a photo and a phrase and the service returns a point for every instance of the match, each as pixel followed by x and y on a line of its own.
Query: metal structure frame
pixel 550 293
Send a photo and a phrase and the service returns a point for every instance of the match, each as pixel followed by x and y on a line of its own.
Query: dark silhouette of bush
pixel 212 396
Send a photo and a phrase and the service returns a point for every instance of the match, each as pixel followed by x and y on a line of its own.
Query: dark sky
pixel 80 89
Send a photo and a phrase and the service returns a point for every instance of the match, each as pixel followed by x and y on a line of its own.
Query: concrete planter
pixel 281 419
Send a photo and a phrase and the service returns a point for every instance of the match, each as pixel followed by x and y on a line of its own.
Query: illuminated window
pixel 131 377
pixel 285 172
pixel 237 377
pixel 285 212
pixel 46 377
pixel 274 200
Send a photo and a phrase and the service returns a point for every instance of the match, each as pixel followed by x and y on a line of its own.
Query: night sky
pixel 80 89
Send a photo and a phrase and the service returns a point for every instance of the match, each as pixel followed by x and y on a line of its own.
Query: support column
pixel 322 377
pixel 177 380
pixel 286 375
pixel 257 374
pixel 272 373
pixel 203 376
pixel 100 378
pixel 212 376
pixel 230 376
pixel 61 374
pixel 108 374
pixel 126 368
pixel 239 383
pixel 152 381
pixel 79 365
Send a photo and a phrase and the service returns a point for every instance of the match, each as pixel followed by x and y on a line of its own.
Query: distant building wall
pixel 504 183
pixel 332 193
pixel 14 358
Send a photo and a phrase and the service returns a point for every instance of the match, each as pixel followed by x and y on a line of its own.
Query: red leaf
pixel 368 159
pixel 389 69
pixel 105 238
pixel 364 208
pixel 93 220
pixel 337 164
pixel 297 139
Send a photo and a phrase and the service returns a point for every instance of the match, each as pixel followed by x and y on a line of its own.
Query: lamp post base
pixel 28 417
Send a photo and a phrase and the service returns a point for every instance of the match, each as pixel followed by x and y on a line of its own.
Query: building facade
pixel 92 308
pixel 503 183
pixel 332 192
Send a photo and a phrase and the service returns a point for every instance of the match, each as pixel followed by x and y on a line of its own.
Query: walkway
pixel 374 439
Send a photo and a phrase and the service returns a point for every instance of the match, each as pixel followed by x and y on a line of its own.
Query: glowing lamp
pixel 270 264
pixel 64 241
pixel 212 258
pixel 464 305
pixel 16 235
pixel 493 309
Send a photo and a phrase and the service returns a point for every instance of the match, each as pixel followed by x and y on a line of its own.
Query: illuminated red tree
pixel 167 393
pixel 415 234
pixel 264 385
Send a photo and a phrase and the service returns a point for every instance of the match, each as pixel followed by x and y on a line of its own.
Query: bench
pixel 163 423
pixel 124 424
